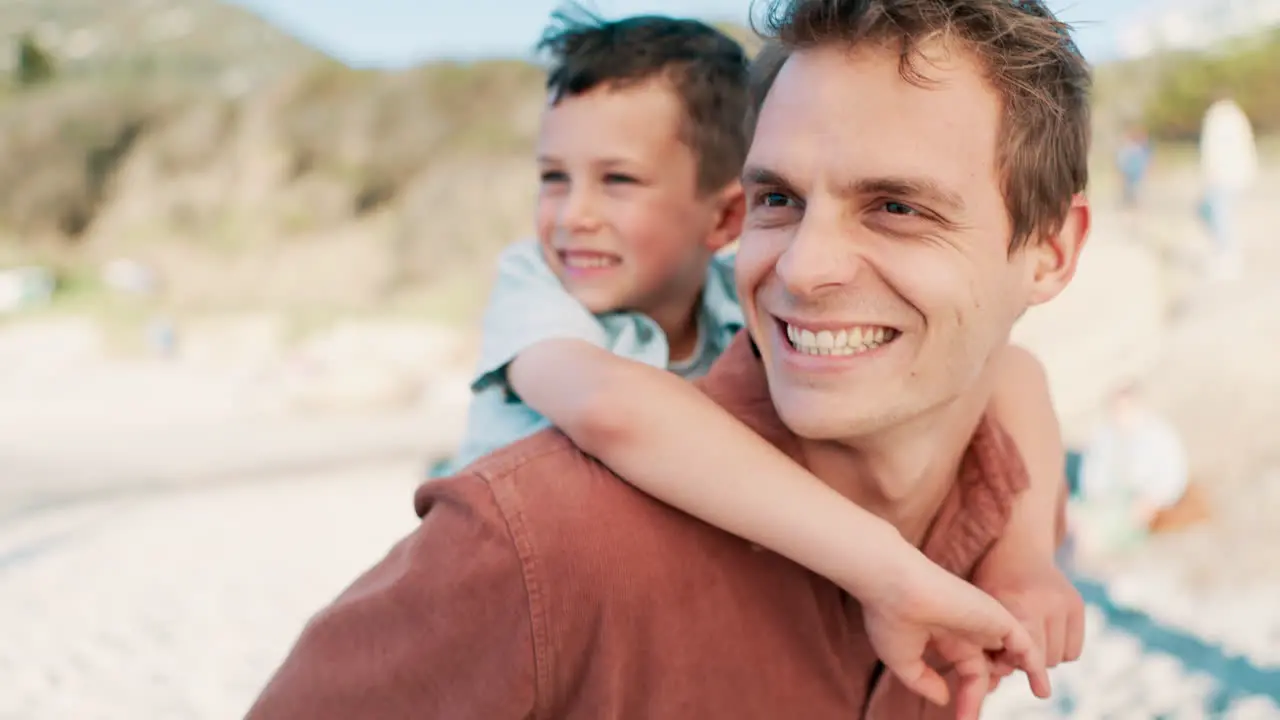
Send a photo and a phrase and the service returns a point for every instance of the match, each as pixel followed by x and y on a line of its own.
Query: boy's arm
pixel 1024 407
pixel 1020 569
pixel 526 305
pixel 638 420
pixel 622 413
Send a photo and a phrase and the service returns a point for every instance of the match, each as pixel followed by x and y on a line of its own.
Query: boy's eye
pixel 554 176
pixel 619 179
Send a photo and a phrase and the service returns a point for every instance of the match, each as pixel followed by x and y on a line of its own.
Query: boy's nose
pixel 578 215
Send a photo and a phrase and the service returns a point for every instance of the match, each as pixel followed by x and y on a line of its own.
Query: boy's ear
pixel 731 210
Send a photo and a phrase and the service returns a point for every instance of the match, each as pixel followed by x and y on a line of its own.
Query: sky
pixel 398 33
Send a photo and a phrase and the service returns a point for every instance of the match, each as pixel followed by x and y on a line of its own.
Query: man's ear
pixel 731 210
pixel 1052 260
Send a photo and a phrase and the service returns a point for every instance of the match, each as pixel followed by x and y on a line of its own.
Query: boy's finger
pixel 982 620
pixel 1075 635
pixel 1020 649
pixel 1055 641
pixel 969 697
pixel 923 681
pixel 974 684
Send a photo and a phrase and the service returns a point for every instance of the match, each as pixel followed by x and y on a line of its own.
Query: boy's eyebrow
pixel 607 162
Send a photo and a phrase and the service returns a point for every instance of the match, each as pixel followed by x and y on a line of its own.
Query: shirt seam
pixel 507 500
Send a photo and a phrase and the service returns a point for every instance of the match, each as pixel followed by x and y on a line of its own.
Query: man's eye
pixel 773 200
pixel 896 208
pixel 554 176
pixel 618 179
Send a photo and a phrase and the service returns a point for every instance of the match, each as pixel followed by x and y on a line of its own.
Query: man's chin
pixel 812 422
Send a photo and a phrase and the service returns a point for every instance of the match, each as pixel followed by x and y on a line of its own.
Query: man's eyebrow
pixel 757 175
pixel 907 187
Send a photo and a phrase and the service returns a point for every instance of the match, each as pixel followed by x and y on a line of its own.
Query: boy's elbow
pixel 626 400
pixel 598 424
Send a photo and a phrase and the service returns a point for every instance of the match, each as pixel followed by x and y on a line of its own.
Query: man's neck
pixel 904 474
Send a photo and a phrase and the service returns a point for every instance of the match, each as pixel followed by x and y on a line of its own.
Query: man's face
pixel 874 268
pixel 620 219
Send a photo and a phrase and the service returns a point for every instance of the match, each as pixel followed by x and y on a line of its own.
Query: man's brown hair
pixel 1043 146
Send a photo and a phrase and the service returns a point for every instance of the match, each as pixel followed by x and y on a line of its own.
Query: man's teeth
pixel 849 341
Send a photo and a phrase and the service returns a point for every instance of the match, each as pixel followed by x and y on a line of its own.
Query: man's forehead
pixel 853 116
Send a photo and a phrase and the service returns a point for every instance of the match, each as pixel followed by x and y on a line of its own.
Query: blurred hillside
pixel 1168 92
pixel 246 168
pixel 189 40
pixel 250 171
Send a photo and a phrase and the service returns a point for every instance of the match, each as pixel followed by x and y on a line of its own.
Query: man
pixel 916 174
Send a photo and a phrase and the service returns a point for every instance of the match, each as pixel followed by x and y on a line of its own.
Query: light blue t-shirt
pixel 529 305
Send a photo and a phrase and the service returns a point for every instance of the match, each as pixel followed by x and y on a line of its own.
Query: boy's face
pixel 620 219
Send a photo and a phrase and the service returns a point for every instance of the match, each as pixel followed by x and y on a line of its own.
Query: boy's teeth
pixel 589 261
pixel 848 341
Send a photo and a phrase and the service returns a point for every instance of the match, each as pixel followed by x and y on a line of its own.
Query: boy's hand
pixel 1041 597
pixel 925 611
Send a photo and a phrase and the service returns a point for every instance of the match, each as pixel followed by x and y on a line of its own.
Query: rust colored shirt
pixel 539 585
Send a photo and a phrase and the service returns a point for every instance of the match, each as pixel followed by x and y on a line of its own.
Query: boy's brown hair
pixel 706 68
pixel 1029 57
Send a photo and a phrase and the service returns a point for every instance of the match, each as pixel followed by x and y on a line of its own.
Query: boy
pixel 639 152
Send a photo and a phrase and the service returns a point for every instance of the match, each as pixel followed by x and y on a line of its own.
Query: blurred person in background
pixel 1132 160
pixel 1228 167
pixel 1134 479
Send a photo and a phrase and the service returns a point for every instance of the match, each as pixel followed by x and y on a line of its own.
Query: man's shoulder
pixel 539 454
pixel 574 523
pixel 541 481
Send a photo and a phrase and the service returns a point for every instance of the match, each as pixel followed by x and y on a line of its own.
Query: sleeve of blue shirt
pixel 528 305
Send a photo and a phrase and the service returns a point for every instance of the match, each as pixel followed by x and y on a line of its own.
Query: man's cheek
pixel 750 266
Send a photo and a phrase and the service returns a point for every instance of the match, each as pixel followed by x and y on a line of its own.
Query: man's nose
pixel 820 255
pixel 579 214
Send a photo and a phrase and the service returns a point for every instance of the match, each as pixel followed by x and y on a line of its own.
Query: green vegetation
pixel 1183 85
pixel 34 65
pixel 408 120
